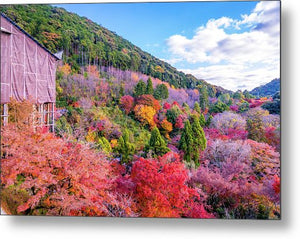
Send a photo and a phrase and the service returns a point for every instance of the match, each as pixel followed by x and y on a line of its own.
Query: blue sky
pixel 207 39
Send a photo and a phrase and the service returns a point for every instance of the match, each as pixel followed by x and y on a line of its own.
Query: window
pixel 43 116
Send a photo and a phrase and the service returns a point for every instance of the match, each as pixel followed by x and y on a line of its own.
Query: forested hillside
pixel 134 137
pixel 85 42
pixel 128 145
pixel 268 89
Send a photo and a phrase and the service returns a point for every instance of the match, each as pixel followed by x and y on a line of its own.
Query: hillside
pixel 268 89
pixel 85 42
pixel 129 145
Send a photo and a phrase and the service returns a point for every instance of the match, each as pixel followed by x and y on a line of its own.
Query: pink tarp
pixel 27 69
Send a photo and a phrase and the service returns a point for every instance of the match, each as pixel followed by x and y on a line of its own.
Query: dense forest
pixel 268 89
pixel 136 138
pixel 87 43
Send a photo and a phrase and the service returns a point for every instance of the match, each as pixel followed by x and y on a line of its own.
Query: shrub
pixel 227 121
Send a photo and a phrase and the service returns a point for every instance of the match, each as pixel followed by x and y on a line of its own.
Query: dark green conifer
pixel 161 92
pixel 186 141
pixel 199 140
pixel 202 120
pixel 157 144
pixel 125 148
pixel 140 88
pixel 149 87
pixel 203 97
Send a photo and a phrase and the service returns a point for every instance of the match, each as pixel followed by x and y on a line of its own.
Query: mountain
pixel 85 42
pixel 268 89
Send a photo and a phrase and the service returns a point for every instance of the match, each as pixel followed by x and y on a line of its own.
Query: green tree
pixel 125 148
pixel 247 94
pixel 161 92
pixel 149 87
pixel 157 145
pixel 212 91
pixel 238 95
pixel 202 120
pixel 243 107
pixel 199 140
pixel 186 141
pixel 173 113
pixel 186 107
pixel 203 97
pixel 197 108
pixel 140 88
pixel 219 107
pixel 208 121
pixel 104 144
pixel 274 106
pixel 225 98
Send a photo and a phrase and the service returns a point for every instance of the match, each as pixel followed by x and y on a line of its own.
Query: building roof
pixel 5 30
pixel 27 34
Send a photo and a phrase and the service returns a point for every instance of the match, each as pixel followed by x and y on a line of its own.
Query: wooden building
pixel 28 71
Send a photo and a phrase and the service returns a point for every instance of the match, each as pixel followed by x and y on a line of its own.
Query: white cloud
pixel 235 76
pixel 248 56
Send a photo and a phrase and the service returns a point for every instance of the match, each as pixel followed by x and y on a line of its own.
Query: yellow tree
pixel 145 114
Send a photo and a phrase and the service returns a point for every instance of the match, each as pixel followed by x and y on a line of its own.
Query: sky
pixel 235 45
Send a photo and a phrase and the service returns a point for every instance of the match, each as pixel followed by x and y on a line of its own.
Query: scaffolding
pixel 42 115
pixel 28 72
pixel 4 114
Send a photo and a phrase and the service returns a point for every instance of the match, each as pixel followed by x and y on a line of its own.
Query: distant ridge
pixel 268 89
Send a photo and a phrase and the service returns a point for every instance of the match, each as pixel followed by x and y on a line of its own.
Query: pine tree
pixel 140 88
pixel 199 142
pixel 161 92
pixel 149 87
pixel 157 144
pixel 208 121
pixel 186 107
pixel 203 98
pixel 186 141
pixel 197 108
pixel 202 120
pixel 125 148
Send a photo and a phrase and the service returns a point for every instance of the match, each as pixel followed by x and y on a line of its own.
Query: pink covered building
pixel 28 71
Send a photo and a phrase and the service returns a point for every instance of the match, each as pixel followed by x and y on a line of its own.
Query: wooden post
pixel 5 114
pixel 52 116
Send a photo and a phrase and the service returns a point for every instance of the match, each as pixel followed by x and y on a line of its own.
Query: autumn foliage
pixel 62 178
pixel 148 100
pixel 121 149
pixel 161 188
pixel 145 114
pixel 127 103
